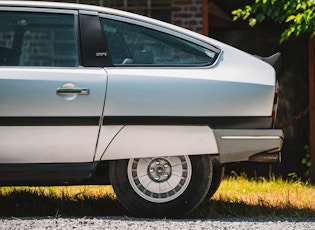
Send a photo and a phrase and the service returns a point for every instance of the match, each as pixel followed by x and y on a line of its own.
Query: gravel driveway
pixel 138 224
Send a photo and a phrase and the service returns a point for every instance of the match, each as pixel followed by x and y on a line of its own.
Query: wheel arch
pixel 137 141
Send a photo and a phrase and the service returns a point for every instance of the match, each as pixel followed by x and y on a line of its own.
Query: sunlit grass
pixel 56 201
pixel 236 197
pixel 274 193
pixel 71 192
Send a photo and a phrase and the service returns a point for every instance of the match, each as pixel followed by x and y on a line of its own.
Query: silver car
pixel 92 95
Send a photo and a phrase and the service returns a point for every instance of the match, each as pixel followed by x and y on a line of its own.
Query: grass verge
pixel 236 197
pixel 240 197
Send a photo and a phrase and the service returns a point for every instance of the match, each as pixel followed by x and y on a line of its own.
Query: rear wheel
pixel 218 173
pixel 161 186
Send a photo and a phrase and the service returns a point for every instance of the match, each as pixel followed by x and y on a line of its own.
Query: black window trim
pixel 78 39
pixel 94 49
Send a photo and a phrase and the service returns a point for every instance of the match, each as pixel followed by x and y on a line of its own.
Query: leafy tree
pixel 299 15
pixel 299 18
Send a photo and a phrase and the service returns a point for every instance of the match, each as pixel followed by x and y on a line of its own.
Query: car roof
pixel 106 10
pixel 70 6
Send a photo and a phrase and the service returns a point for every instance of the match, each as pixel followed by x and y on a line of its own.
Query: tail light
pixel 275 105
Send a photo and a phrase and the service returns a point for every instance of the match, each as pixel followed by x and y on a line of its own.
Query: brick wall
pixel 187 14
pixel 42 47
pixel 6 39
pixel 37 49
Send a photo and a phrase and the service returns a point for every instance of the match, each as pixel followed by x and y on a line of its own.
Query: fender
pixel 136 141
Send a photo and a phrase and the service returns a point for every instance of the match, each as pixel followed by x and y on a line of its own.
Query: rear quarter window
pixel 131 44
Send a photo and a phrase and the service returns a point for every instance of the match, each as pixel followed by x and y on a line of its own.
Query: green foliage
pixel 306 160
pixel 298 15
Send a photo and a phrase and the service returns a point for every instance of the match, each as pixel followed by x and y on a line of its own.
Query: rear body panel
pixel 188 92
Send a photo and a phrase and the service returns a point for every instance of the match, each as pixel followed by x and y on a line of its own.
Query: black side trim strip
pixel 213 122
pixel 46 174
pixel 49 121
pixel 48 167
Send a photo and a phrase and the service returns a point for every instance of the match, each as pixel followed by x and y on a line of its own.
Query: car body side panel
pixel 47 144
pixel 106 136
pixel 232 145
pixel 31 92
pixel 39 126
pixel 188 92
pixel 153 141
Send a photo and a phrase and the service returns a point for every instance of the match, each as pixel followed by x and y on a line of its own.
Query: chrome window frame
pixel 38 10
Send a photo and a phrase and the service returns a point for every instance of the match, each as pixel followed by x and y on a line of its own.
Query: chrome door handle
pixel 78 91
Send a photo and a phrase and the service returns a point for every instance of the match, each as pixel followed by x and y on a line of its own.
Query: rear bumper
pixel 260 145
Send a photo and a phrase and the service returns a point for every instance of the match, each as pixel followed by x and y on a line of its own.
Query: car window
pixel 37 39
pixel 131 44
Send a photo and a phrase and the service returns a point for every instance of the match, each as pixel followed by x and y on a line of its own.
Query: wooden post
pixel 311 59
pixel 205 18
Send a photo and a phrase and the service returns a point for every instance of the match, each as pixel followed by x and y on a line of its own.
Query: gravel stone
pixel 90 223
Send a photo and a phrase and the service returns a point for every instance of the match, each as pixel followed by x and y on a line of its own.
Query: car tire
pixel 218 173
pixel 161 186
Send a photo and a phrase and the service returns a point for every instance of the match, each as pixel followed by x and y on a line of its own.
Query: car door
pixel 50 103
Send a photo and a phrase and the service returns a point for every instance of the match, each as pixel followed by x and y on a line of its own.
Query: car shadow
pixel 224 209
pixel 29 204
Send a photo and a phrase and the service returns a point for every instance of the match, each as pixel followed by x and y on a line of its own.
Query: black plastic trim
pixel 48 167
pixel 94 47
pixel 46 174
pixel 274 60
pixel 213 122
pixel 49 121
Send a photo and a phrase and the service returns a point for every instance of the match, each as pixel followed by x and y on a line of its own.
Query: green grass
pixel 236 197
pixel 240 197
pixel 59 201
